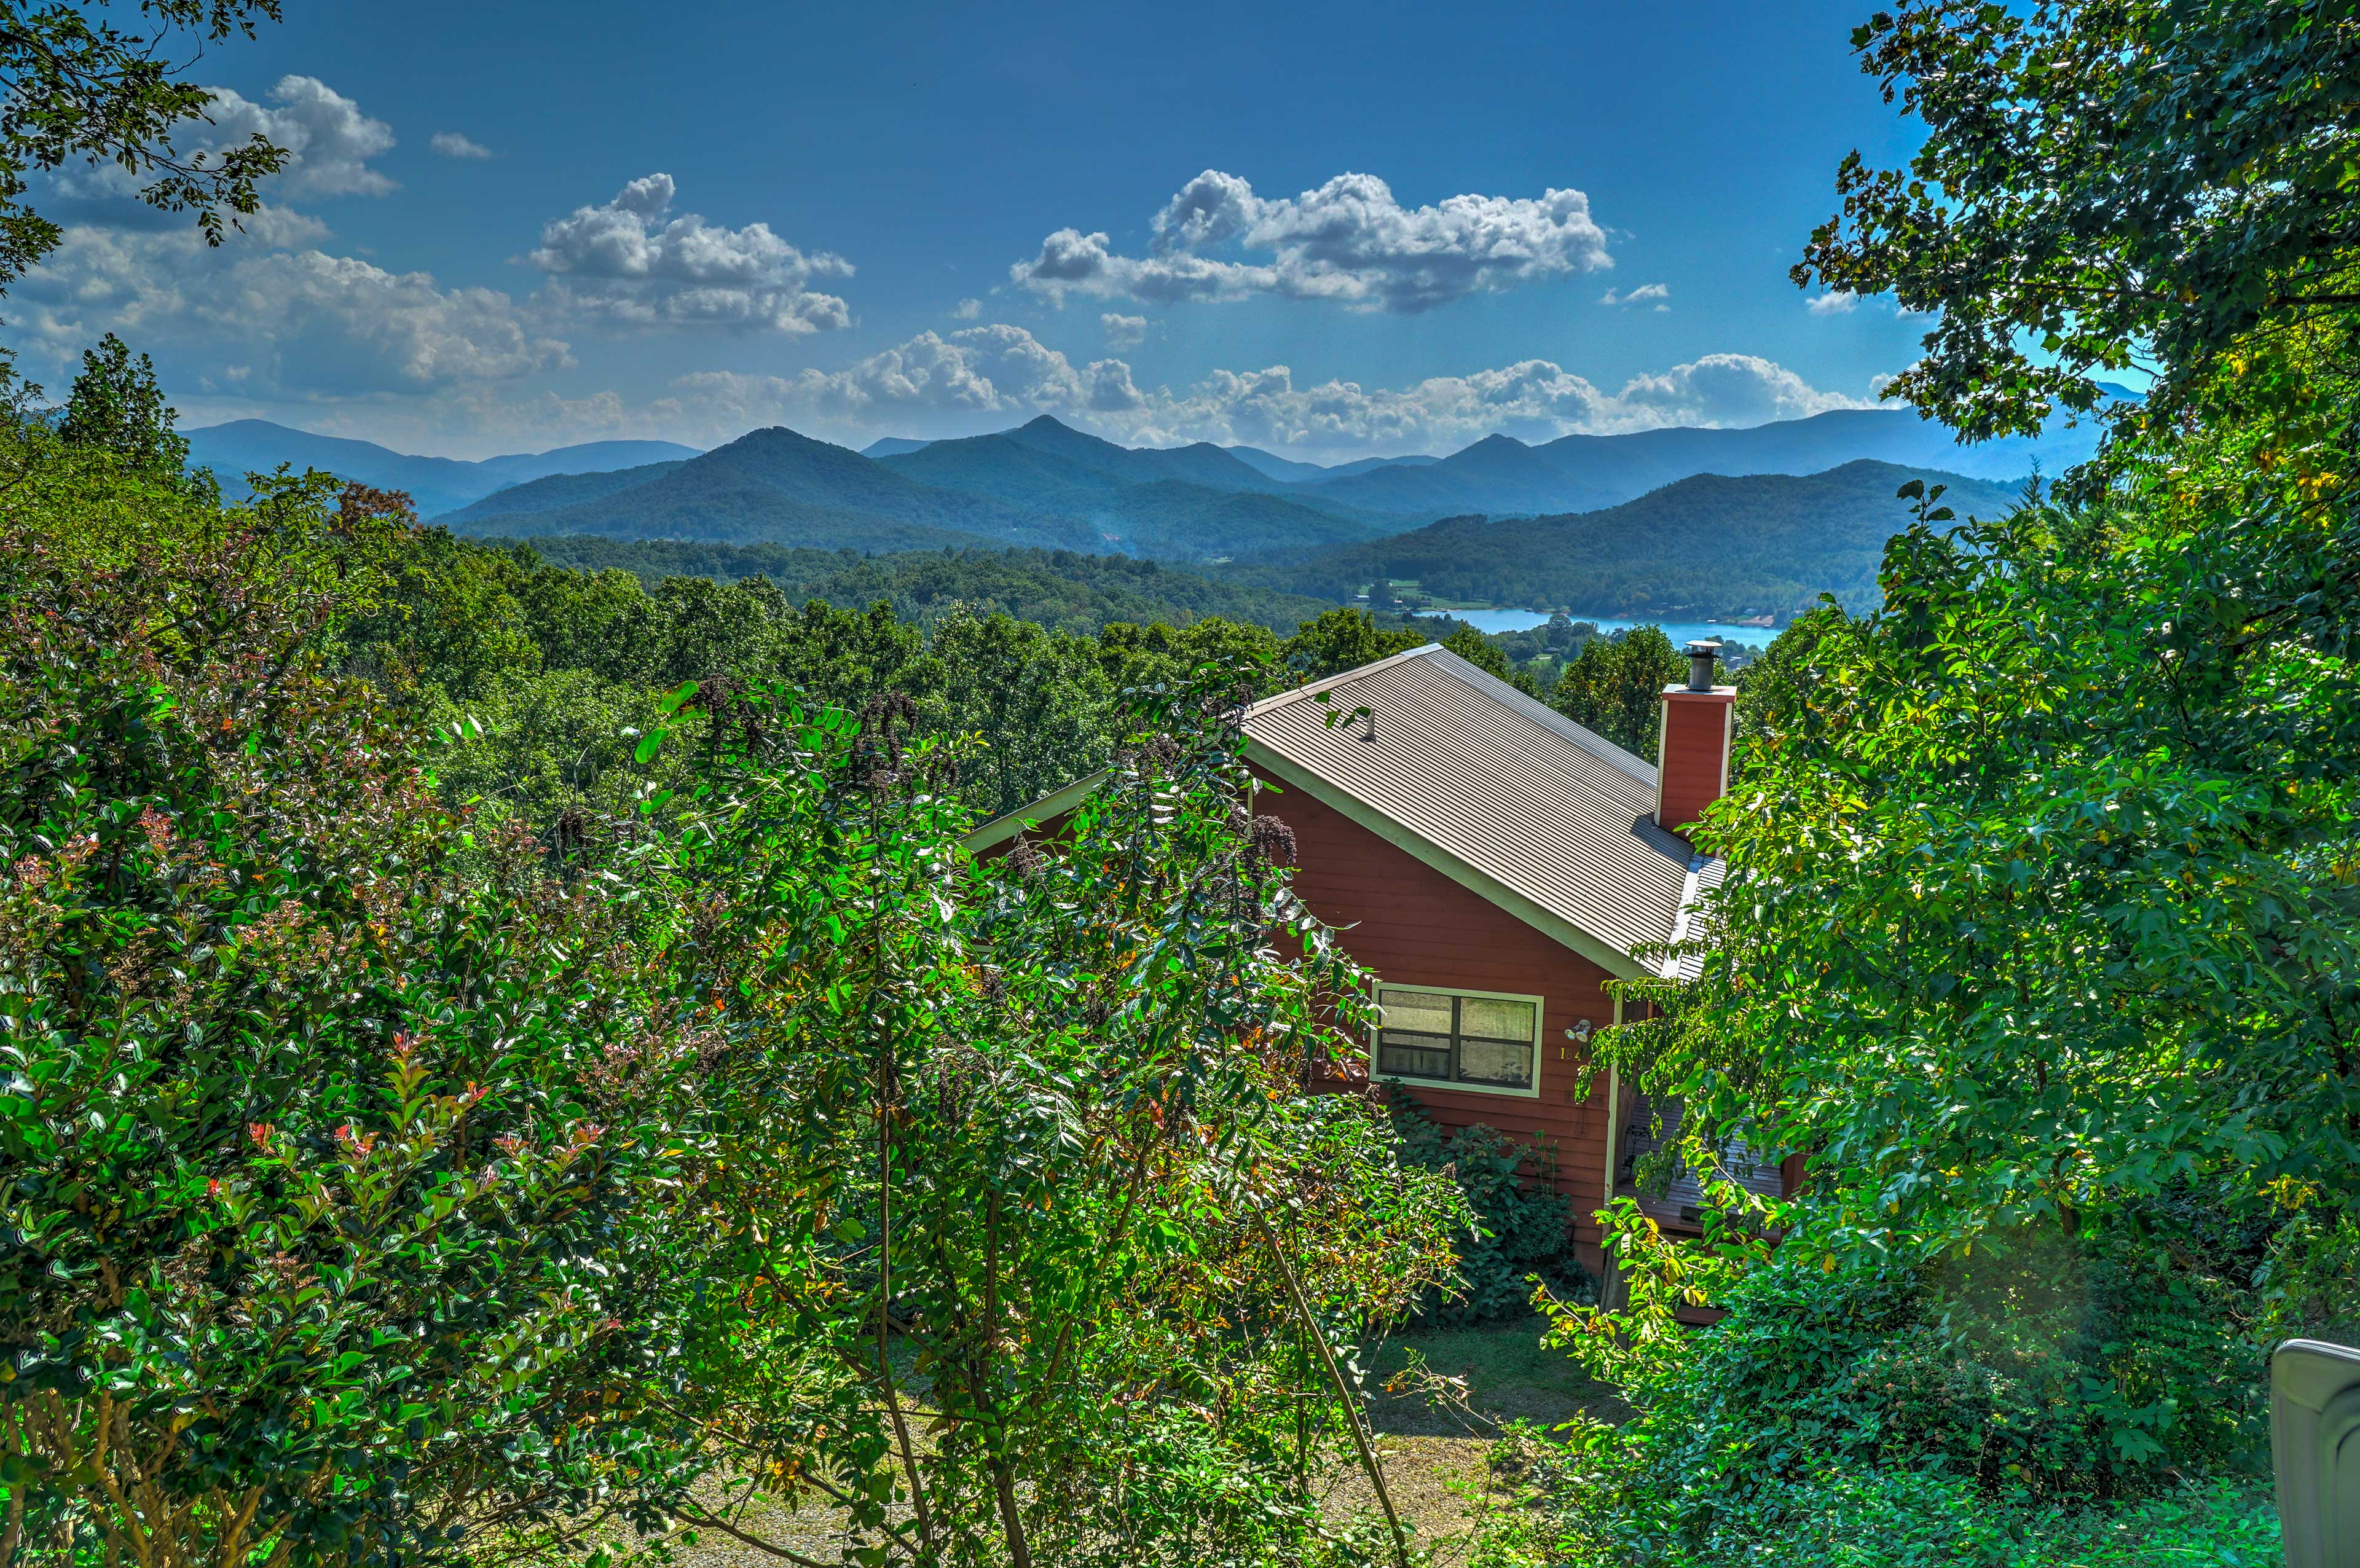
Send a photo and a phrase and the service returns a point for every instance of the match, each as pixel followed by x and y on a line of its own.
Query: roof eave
pixel 1000 829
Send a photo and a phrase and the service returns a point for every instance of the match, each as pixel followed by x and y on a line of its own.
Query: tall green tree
pixel 2102 186
pixel 1035 700
pixel 2040 889
pixel 1344 639
pixel 1036 1125
pixel 116 407
pixel 1614 686
pixel 2039 931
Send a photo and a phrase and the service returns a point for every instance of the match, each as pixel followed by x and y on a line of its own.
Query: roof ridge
pixel 1296 694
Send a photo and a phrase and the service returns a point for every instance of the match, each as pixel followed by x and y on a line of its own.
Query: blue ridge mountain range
pixel 436 483
pixel 1044 484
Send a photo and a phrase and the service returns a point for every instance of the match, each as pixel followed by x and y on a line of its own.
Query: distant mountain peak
pixel 436 484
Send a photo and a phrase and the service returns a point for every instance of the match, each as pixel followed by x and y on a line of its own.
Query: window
pixel 1738 1161
pixel 1472 1040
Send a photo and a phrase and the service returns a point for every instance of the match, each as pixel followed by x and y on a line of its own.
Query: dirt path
pixel 1433 1453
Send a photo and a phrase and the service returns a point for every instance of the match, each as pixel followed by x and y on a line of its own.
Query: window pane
pixel 1508 1064
pixel 1424 1012
pixel 1413 1055
pixel 1495 1019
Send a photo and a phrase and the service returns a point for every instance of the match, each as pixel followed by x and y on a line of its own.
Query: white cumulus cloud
pixel 1534 400
pixel 1835 302
pixel 1727 389
pixel 967 309
pixel 272 315
pixel 988 370
pixel 1656 294
pixel 990 377
pixel 1349 241
pixel 456 144
pixel 631 262
pixel 1123 331
pixel 292 322
pixel 328 138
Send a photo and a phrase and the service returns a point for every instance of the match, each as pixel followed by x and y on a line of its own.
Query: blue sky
pixel 1382 229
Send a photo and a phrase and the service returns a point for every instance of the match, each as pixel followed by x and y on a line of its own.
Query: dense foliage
pixel 1524 1224
pixel 436 1148
pixel 1043 1136
pixel 1056 589
pixel 555 664
pixel 2038 1400
pixel 2103 185
pixel 321 1147
pixel 2038 929
pixel 1614 688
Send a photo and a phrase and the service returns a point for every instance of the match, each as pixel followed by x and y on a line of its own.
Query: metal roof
pixel 1501 793
pixel 1511 790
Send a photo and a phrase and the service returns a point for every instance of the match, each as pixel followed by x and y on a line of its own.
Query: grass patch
pixel 1506 1374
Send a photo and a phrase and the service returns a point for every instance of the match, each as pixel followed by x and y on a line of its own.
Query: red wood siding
pixel 1414 926
pixel 1695 754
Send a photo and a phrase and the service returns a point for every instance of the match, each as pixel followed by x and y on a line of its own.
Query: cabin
pixel 1495 866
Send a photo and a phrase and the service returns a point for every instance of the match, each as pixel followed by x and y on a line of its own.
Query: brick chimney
pixel 1692 756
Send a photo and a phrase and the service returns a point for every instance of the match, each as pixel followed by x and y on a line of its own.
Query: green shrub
pixel 2310 1281
pixel 1855 1515
pixel 2082 1367
pixel 328 1157
pixel 2036 1389
pixel 1525 1226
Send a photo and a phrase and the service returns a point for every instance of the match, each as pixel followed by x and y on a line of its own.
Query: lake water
pixel 1680 632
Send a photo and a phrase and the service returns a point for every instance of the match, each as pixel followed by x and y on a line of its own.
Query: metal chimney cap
pixel 1703 655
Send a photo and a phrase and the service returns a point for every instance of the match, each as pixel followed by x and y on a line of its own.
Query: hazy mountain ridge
pixel 436 483
pixel 1045 485
pixel 1500 474
pixel 1300 473
pixel 778 487
pixel 1705 546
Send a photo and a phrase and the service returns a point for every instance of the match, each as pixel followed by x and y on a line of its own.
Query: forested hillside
pixel 1708 548
pixel 1775 546
pixel 769 486
pixel 1056 589
pixel 777 487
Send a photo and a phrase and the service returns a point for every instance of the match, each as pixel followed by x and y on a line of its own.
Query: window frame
pixel 1453 1085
